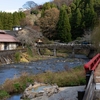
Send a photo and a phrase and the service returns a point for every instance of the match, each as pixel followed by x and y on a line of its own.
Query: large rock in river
pixel 40 91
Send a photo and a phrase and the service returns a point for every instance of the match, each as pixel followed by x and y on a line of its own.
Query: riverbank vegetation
pixel 28 55
pixel 70 77
pixel 45 54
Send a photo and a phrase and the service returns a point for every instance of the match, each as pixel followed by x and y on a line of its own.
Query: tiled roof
pixel 13 33
pixel 7 38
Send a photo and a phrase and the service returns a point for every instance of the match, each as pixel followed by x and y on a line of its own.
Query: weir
pixel 6 59
pixel 8 56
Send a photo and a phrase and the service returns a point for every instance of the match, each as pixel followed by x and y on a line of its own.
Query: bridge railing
pixel 89 91
pixel 62 44
pixel 90 86
pixel 90 67
pixel 92 64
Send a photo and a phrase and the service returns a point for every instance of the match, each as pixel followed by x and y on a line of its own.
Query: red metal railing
pixel 90 85
pixel 92 64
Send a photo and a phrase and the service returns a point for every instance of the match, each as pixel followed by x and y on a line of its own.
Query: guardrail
pixel 92 64
pixel 64 45
pixel 90 86
pixel 89 92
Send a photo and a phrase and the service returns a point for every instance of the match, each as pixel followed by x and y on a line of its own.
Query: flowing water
pixel 54 65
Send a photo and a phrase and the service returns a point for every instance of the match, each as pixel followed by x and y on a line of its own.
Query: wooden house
pixel 7 42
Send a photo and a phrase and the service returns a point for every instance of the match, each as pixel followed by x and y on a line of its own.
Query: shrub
pixel 16 86
pixel 34 12
pixel 8 86
pixel 29 51
pixel 17 56
pixel 29 80
pixel 3 94
pixel 82 80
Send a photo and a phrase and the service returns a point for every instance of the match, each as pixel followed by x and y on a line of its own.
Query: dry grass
pixel 66 78
pixel 17 84
pixel 71 77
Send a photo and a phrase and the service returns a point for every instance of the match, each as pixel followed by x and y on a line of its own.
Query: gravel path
pixel 66 93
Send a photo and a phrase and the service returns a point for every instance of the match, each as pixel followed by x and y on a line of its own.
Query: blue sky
pixel 14 5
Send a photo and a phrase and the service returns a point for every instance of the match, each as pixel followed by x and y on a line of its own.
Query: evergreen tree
pixel 83 17
pixel 5 21
pixel 1 27
pixel 90 15
pixel 97 6
pixel 63 26
pixel 73 7
pixel 15 19
pixel 78 17
pixel 10 21
pixel 21 15
pixel 76 21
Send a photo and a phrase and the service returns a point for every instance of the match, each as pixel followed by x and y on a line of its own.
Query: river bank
pixel 65 93
pixel 74 77
pixel 42 66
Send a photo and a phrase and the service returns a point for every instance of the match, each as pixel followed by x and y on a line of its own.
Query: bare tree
pixel 28 36
pixel 25 22
pixel 96 37
pixel 30 5
pixel 20 9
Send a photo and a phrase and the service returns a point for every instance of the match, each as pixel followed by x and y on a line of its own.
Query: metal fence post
pixel 88 74
pixel 80 95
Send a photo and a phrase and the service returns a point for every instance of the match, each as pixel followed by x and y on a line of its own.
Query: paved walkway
pixel 66 93
pixel 97 74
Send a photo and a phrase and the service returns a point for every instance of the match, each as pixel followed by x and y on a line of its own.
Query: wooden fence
pixel 89 91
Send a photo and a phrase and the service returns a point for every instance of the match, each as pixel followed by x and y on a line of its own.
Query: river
pixel 54 65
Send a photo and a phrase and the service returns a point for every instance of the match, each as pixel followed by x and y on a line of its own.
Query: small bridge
pixel 72 47
pixel 92 90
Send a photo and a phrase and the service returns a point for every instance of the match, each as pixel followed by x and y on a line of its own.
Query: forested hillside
pixel 63 20
pixel 74 18
pixel 8 20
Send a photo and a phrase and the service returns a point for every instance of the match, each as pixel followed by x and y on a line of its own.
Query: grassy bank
pixel 72 77
pixel 32 55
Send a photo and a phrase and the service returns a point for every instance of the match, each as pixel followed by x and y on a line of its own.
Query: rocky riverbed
pixel 55 65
